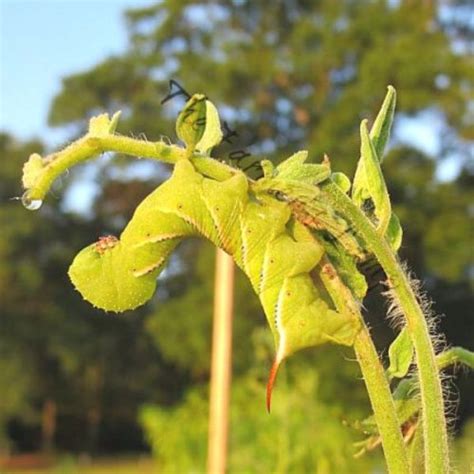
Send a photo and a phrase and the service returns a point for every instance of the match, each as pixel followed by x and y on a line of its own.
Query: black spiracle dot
pixel 276 314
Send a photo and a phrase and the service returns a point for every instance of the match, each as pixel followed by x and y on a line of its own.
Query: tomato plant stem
pixel 433 417
pixel 373 372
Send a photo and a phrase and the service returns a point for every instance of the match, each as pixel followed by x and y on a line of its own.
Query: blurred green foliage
pixel 292 75
pixel 304 433
pixel 462 449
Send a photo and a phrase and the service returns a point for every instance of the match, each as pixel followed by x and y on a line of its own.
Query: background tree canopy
pixel 285 76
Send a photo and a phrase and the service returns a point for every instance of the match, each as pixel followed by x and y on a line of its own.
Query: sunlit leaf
pixel 374 179
pixel 198 124
pixel 394 232
pixel 400 353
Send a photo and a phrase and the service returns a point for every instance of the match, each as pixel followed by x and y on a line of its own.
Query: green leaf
pixel 295 169
pixel 400 354
pixel 394 232
pixel 374 179
pixel 342 181
pixel 102 125
pixel 380 132
pixel 191 121
pixel 267 168
pixel 212 135
pixel 198 124
pixel 294 161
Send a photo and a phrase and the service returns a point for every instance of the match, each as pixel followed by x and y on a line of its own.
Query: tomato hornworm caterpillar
pixel 276 252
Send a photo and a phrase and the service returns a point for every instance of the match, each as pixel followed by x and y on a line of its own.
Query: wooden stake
pixel 221 364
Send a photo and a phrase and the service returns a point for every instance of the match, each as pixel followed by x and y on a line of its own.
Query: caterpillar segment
pixel 276 252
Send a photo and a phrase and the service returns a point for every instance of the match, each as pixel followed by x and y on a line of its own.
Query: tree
pixel 295 71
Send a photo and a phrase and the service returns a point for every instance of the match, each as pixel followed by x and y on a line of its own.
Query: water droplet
pixel 31 204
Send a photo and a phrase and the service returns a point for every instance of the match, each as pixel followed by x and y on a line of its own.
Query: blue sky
pixel 42 41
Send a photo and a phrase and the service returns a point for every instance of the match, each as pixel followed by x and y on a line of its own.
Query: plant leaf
pixel 212 135
pixel 380 131
pixel 342 181
pixel 379 134
pixel 267 168
pixel 191 121
pixel 295 169
pixel 374 179
pixel 295 160
pixel 198 124
pixel 394 232
pixel 400 354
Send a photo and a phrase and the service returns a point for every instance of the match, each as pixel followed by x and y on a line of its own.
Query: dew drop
pixel 31 204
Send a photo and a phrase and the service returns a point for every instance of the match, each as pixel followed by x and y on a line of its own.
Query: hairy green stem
pixel 433 417
pixel 382 403
pixel 455 355
pixel 416 452
pixel 90 146
pixel 374 376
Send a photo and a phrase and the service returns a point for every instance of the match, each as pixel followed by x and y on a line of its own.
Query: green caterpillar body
pixel 276 252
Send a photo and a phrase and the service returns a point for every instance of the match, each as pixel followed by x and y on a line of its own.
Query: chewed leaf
pixel 198 124
pixel 102 125
pixel 374 179
pixel 379 134
pixel 401 353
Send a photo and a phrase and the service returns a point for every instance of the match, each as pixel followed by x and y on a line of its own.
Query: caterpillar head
pixel 106 275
